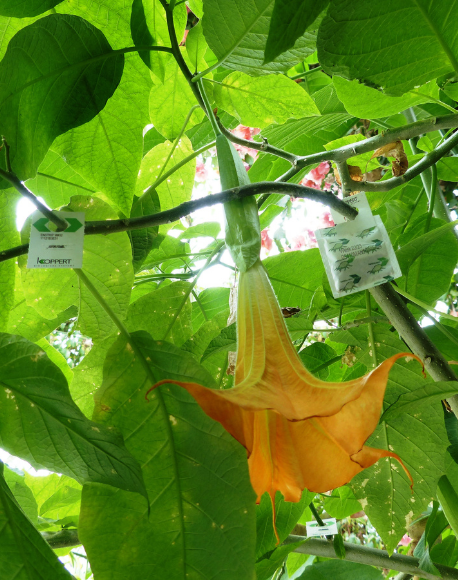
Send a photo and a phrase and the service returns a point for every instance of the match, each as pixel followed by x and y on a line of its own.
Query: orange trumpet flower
pixel 299 432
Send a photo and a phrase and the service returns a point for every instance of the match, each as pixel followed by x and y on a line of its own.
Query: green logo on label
pixel 73 225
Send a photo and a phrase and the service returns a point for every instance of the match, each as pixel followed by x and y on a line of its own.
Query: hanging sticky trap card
pixel 357 254
pixel 51 249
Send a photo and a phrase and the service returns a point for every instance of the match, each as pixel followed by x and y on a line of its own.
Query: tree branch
pixel 174 214
pixel 371 144
pixel 62 539
pixel 414 336
pixel 22 189
pixel 371 557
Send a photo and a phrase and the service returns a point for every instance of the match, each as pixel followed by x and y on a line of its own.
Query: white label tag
pixel 51 249
pixel 329 528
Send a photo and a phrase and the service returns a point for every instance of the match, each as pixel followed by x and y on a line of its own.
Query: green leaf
pixel 341 503
pixel 143 240
pixel 237 31
pixel 24 8
pixel 390 59
pixel 40 423
pixel 226 341
pixel 108 265
pixel 447 169
pixel 448 498
pixel 150 139
pixel 88 375
pixel 339 547
pixel 171 101
pixel 56 182
pixel 149 27
pixel 64 497
pixel 175 189
pixel 9 238
pixel 51 486
pixel 214 302
pixel 107 152
pixel 414 248
pixel 200 340
pixel 445 553
pixel 25 554
pixel 266 567
pixel 262 101
pixel 189 464
pixel 338 570
pixel 295 276
pixel 22 494
pixel 428 277
pixel 81 74
pixel 418 436
pixel 287 516
pixel 196 47
pixel 316 355
pixel 207 229
pixel 431 392
pixel 308 135
pixel 57 358
pixel 367 103
pixel 155 312
pixel 290 19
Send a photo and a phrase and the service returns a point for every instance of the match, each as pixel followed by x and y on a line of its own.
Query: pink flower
pixel 309 183
pixel 328 222
pixel 247 134
pixel 405 540
pixel 298 242
pixel 266 240
pixel 201 171
pixel 319 173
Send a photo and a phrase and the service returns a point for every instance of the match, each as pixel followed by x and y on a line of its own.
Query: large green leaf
pixel 396 46
pixel 39 103
pixel 290 19
pixel 53 496
pixel 171 101
pixel 88 375
pixel 108 265
pixel 149 27
pixel 302 137
pixel 338 570
pixel 295 276
pixel 56 182
pixel 164 313
pixel 27 322
pixel 428 277
pixel 40 423
pixel 368 103
pixel 22 8
pixel 9 238
pixel 237 31
pixel 107 152
pixel 178 187
pixel 25 555
pixel 210 303
pixel 287 515
pixel 22 493
pixel 195 473
pixel 262 101
pixel 418 436
pixel 143 240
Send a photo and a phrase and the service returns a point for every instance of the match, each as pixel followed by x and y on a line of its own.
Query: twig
pixel 371 557
pixel 22 189
pixel 174 214
pixel 62 538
